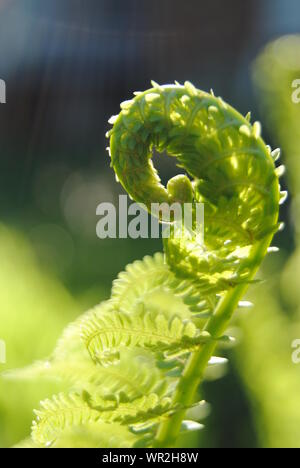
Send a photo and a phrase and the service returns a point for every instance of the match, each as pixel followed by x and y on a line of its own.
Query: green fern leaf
pixel 105 333
pixel 152 328
pixel 63 412
pixel 59 413
pixel 146 410
pixel 145 277
pixel 135 375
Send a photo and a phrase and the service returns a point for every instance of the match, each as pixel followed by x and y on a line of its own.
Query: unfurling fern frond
pixel 233 173
pixel 138 359
pixel 59 413
pixel 106 334
pixel 145 278
pixel 74 410
pixel 71 363
pixel 144 378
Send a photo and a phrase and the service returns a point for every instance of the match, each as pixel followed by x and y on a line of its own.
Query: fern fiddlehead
pixel 168 313
pixel 233 174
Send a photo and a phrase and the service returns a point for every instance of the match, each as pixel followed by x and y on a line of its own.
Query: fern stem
pixel 193 373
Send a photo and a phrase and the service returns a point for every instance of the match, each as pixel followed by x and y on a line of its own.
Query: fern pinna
pixel 134 364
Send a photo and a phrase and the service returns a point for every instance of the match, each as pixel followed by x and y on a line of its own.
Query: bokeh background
pixel 67 65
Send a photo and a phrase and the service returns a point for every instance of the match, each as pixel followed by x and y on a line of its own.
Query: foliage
pixel 130 362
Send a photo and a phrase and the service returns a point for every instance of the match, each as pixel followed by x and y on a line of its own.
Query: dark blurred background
pixel 67 65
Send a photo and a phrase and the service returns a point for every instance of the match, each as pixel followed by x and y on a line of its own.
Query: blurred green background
pixel 67 65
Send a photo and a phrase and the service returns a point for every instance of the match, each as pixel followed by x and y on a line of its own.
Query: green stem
pixel 196 365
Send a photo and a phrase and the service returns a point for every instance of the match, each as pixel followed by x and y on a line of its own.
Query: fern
pixel 59 413
pixel 67 410
pixel 143 279
pixel 135 362
pixel 144 377
pixel 105 335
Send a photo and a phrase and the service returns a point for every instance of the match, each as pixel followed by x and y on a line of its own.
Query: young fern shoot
pixel 133 363
pixel 233 174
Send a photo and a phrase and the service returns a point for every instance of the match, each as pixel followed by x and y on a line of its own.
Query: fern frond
pixel 232 168
pixel 152 274
pixel 145 410
pixel 76 410
pixel 235 177
pixel 59 413
pixel 168 313
pixel 70 345
pixel 105 333
pixel 135 375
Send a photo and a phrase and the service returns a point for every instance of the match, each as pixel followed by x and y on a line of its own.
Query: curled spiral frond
pixel 136 360
pixel 231 168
